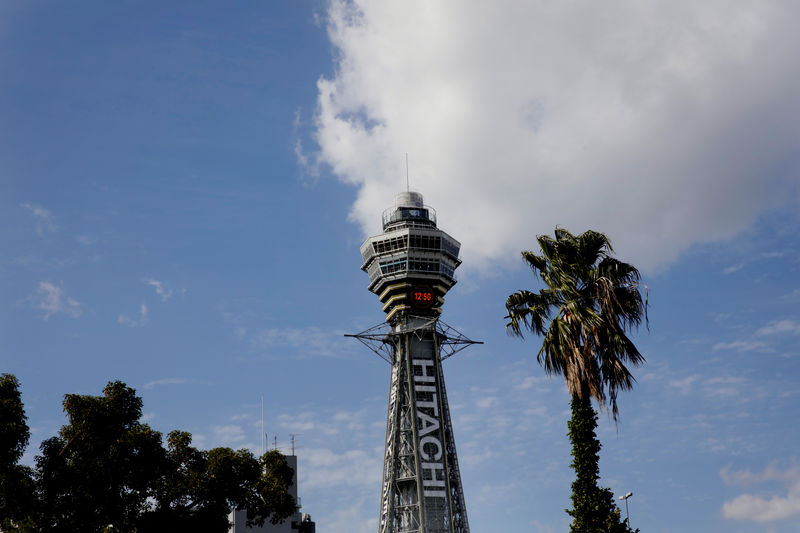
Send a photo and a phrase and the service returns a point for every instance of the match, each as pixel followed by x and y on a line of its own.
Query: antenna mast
pixel 407 186
pixel 263 435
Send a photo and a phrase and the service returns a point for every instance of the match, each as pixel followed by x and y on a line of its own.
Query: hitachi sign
pixel 430 445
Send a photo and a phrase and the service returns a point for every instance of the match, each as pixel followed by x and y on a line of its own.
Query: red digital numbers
pixel 422 297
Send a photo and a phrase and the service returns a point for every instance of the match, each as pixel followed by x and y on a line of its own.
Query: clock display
pixel 422 297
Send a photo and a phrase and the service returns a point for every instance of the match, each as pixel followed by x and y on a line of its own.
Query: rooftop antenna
pixel 408 189
pixel 292 436
pixel 263 435
pixel 275 442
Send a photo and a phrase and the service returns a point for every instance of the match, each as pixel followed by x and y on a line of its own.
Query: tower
pixel 411 267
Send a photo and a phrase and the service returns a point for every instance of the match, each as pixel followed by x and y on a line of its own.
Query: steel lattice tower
pixel 411 267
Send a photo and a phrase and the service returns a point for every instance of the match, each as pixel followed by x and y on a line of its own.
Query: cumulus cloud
pixel 45 221
pixel 51 299
pixel 756 507
pixel 660 124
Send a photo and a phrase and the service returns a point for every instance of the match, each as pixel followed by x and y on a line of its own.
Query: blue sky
pixel 184 190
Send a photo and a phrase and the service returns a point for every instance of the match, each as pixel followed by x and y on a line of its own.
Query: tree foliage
pixel 591 301
pixel 16 481
pixel 108 471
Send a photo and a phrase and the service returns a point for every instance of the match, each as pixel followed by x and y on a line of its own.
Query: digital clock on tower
pixel 422 296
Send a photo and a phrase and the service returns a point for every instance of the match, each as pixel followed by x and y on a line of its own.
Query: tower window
pixel 390 245
pixel 425 242
pixel 389 267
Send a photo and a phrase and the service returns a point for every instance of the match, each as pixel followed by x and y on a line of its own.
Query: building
pixel 297 523
pixel 411 266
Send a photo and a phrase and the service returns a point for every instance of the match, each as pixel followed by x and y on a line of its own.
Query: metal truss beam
pixel 382 338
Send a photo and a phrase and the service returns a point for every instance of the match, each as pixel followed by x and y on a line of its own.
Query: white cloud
pixel 160 288
pixel 733 268
pixel 615 116
pixel 329 469
pixel 683 385
pixel 528 382
pixel 349 517
pixel 781 326
pixel 164 381
pixel 747 477
pixel 45 221
pixel 725 386
pixel 51 299
pixel 334 423
pixel 304 341
pixel 231 435
pixel 542 528
pixel 136 321
pixel 739 346
pixel 338 446
pixel 756 507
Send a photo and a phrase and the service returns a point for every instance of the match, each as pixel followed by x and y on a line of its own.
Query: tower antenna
pixel 408 188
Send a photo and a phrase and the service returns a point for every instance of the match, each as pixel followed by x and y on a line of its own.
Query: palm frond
pixel 590 302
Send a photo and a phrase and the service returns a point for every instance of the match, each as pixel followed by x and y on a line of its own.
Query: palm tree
pixel 590 303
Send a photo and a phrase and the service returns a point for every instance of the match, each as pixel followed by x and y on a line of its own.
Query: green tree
pixel 16 481
pixel 591 301
pixel 100 469
pixel 107 471
pixel 200 488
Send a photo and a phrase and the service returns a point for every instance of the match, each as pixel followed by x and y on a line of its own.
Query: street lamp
pixel 627 516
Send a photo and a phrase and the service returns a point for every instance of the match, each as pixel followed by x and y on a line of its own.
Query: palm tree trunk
pixel 593 509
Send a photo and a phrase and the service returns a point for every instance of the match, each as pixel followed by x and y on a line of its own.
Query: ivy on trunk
pixel 593 509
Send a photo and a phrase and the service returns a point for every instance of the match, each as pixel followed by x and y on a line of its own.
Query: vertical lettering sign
pixel 429 429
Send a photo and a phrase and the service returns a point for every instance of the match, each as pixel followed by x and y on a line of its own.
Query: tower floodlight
pixel 411 266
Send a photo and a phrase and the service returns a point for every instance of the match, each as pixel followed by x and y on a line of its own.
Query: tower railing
pixel 411 214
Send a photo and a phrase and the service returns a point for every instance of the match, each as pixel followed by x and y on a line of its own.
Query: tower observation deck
pixel 411 266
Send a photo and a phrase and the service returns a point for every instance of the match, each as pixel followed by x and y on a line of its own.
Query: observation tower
pixel 411 267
